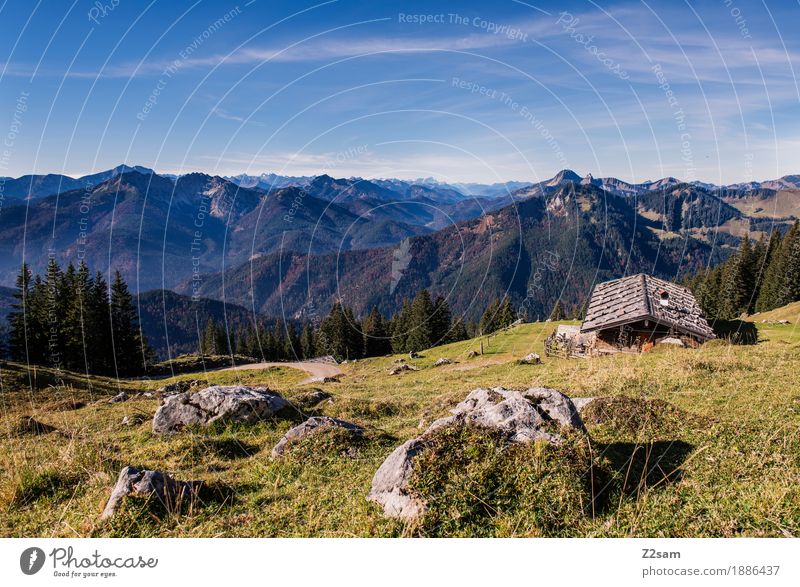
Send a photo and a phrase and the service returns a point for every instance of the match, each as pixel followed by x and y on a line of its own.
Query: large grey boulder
pixel 390 483
pixel 233 403
pixel 145 483
pixel 310 427
pixel 532 414
pixel 537 413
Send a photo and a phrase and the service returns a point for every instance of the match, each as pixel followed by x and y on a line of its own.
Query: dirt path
pixel 317 371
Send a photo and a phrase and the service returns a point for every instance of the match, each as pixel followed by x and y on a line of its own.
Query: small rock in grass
pixel 400 368
pixel 313 426
pixel 531 359
pixel 133 482
pixel 133 420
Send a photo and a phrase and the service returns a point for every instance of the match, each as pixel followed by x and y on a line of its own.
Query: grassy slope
pixel 741 474
pixel 782 203
pixel 790 312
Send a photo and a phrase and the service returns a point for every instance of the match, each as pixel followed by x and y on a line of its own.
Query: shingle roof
pixel 638 297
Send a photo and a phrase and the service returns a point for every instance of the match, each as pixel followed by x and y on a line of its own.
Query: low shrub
pixel 33 485
pixel 474 483
pixel 630 418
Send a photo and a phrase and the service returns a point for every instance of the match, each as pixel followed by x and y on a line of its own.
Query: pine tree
pixel 441 321
pixel 738 279
pixel 53 311
pixel 420 332
pixel 17 318
pixel 376 336
pixel 399 328
pixel 253 348
pixel 557 313
pixel 506 315
pixel 37 322
pixel 76 325
pixel 241 341
pixel 354 337
pixel 267 338
pixel 458 332
pixel 707 290
pixel 221 340
pixel 209 343
pixel 770 273
pixel 332 334
pixel 489 320
pixel 292 351
pixel 279 336
pixel 789 290
pixel 132 353
pixel 307 341
pixel 98 328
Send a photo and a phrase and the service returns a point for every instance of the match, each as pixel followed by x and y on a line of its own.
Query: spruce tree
pixel 376 335
pixel 707 291
pixel 37 321
pixel 770 273
pixel 332 339
pixel 241 341
pixel 98 328
pixel 506 315
pixel 209 343
pixel 267 338
pixel 489 320
pixel 17 318
pixel 52 314
pixel 556 313
pixel 354 337
pixel 441 321
pixel 458 331
pixel 420 332
pixel 307 341
pixel 132 353
pixel 253 343
pixel 789 290
pixel 292 351
pixel 76 325
pixel 399 328
pixel 221 341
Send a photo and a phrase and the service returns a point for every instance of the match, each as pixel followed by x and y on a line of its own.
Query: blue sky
pixel 462 91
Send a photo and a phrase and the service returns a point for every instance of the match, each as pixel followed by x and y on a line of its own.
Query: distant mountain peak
pixel 564 175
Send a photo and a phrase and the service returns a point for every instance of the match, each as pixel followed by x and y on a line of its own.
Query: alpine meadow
pixel 402 270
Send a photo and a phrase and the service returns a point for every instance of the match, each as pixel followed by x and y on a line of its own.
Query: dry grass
pixel 709 445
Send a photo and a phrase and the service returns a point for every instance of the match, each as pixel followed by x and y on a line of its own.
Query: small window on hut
pixel 663 298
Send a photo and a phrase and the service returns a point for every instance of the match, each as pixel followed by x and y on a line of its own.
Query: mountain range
pixel 289 246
